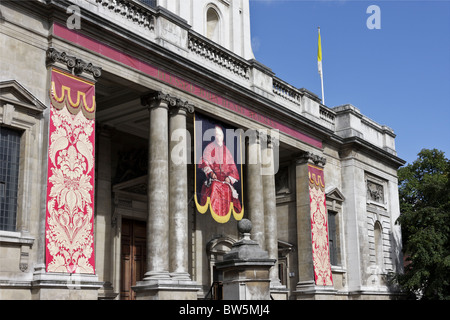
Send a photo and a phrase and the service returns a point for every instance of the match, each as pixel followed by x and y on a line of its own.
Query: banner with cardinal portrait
pixel 218 169
pixel 69 227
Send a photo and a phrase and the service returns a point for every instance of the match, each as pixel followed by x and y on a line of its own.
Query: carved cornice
pixel 311 157
pixel 73 64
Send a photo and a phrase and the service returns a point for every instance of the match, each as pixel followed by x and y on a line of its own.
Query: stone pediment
pixel 13 93
pixel 333 193
pixel 284 248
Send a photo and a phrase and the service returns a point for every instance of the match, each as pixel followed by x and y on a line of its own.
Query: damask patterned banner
pixel 69 228
pixel 218 170
pixel 319 227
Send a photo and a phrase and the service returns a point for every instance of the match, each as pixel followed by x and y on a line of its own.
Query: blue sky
pixel 398 75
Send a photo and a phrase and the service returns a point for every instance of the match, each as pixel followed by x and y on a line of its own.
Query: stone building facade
pixel 98 97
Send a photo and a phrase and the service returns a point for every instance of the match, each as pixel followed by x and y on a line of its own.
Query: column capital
pixel 307 156
pixel 155 99
pixel 75 65
pixel 181 107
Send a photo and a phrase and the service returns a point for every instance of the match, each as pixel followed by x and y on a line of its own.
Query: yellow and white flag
pixel 319 55
pixel 319 64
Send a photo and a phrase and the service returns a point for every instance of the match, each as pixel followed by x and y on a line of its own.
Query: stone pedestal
pixel 246 269
pixel 308 290
pixel 64 286
pixel 166 290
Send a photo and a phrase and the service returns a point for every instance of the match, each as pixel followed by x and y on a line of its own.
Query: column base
pixel 156 275
pixel 64 286
pixel 308 290
pixel 182 276
pixel 166 289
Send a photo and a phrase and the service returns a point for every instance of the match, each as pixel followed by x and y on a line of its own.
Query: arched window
pixel 212 25
pixel 378 235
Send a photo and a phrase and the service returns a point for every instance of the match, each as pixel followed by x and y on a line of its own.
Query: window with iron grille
pixel 9 177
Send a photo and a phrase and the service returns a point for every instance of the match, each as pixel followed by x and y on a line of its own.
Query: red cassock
pixel 219 161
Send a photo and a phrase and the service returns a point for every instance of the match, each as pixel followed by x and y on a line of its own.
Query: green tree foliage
pixel 424 190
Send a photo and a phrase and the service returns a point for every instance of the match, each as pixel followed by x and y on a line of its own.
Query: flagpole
pixel 319 61
pixel 323 95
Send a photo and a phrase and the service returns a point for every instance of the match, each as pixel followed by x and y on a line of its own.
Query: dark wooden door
pixel 133 256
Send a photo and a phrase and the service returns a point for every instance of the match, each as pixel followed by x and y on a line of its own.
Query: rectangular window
pixel 332 237
pixel 9 177
pixel 151 3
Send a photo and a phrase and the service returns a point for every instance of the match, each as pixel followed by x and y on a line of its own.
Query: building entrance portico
pixel 105 125
pixel 128 149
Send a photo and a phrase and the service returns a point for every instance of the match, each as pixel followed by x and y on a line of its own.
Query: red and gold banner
pixel 319 227
pixel 218 170
pixel 69 227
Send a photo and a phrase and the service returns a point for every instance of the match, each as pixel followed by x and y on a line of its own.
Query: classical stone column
pixel 178 191
pixel 167 225
pixel 304 239
pixel 310 198
pixel 49 280
pixel 104 209
pixel 158 187
pixel 270 205
pixel 255 189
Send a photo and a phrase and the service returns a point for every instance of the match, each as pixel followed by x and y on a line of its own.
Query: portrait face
pixel 219 136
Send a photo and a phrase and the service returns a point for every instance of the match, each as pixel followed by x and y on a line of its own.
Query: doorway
pixel 133 256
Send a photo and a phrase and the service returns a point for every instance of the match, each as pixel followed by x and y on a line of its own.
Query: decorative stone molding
pixel 218 55
pixel 18 239
pixel 286 91
pixel 24 258
pixel 74 64
pixel 131 10
pixel 27 103
pixel 327 114
pixel 309 156
pixel 185 106
pixel 375 192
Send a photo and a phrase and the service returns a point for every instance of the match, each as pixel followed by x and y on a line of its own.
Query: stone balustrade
pixel 218 55
pixel 136 11
pixel 142 15
pixel 286 91
pixel 327 114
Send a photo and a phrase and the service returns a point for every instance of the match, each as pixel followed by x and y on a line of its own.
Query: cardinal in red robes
pixel 221 174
